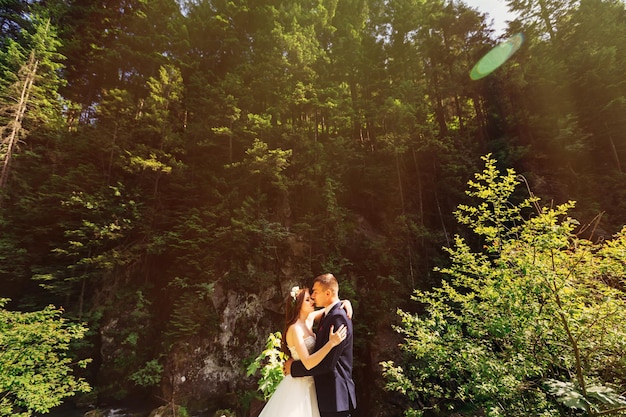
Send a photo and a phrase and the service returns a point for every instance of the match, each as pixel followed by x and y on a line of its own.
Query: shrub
pixel 35 366
pixel 270 364
pixel 532 324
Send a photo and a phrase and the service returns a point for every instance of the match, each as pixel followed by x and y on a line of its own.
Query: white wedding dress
pixel 294 397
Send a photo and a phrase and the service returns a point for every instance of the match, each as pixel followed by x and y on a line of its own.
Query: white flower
pixel 294 292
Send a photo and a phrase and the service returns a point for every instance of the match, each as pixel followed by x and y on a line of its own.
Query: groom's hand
pixel 287 366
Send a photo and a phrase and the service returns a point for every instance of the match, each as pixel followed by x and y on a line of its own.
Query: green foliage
pixel 29 83
pixel 267 163
pixel 532 321
pixel 192 313
pixel 224 413
pixel 11 256
pixel 494 218
pixel 35 362
pixel 94 227
pixel 149 375
pixel 130 354
pixel 236 143
pixel 270 365
pixel 570 395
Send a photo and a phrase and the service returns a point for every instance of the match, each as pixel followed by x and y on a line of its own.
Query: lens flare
pixel 496 56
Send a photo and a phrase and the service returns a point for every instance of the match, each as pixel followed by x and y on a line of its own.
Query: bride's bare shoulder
pixel 294 332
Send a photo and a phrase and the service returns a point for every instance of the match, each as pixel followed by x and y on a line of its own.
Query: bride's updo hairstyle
pixel 293 304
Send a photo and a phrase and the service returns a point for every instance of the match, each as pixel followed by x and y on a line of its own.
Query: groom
pixel 333 376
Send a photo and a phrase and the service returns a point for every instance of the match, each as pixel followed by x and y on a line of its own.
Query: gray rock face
pixel 201 372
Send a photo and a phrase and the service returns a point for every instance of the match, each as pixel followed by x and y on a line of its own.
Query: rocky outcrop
pixel 203 373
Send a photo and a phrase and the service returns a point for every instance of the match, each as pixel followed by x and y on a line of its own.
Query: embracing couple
pixel 319 372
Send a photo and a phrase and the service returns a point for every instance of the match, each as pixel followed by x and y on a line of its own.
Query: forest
pixel 171 168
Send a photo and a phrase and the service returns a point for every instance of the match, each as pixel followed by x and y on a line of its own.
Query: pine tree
pixel 29 94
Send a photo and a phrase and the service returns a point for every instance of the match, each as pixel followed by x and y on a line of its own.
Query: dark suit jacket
pixel 333 375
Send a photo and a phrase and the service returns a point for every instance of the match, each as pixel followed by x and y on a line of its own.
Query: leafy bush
pixel 524 326
pixel 35 366
pixel 270 364
pixel 149 375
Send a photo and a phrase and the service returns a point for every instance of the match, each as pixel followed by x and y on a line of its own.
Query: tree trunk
pixel 618 164
pixel 545 16
pixel 15 126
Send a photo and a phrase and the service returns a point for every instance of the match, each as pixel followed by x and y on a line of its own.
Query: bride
pixel 295 397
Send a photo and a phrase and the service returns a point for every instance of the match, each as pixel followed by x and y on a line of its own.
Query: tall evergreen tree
pixel 114 44
pixel 542 16
pixel 29 88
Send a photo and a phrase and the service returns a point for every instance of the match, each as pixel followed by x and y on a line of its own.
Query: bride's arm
pixel 311 360
pixel 347 305
pixel 317 314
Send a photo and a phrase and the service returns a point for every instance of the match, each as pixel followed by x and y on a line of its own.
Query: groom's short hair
pixel 328 282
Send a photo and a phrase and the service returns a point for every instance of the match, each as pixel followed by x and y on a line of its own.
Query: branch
pixel 611 411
